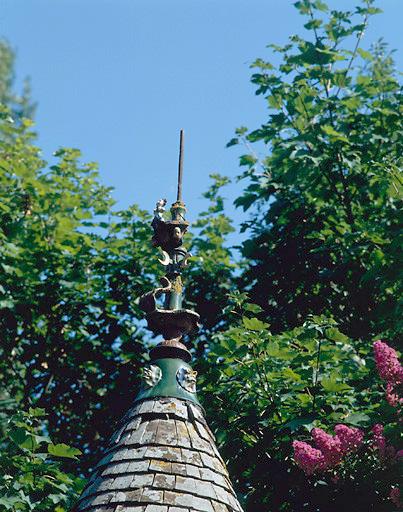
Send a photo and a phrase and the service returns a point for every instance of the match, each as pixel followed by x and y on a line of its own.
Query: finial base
pixel 172 349
pixel 172 324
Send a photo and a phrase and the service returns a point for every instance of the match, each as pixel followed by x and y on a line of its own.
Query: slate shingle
pixel 162 458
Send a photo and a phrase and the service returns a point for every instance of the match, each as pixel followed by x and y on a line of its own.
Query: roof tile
pixel 162 459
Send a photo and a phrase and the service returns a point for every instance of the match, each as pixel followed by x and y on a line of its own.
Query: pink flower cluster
pixel 309 459
pixel 350 438
pixel 392 396
pixel 390 370
pixel 388 364
pixel 329 445
pixel 329 450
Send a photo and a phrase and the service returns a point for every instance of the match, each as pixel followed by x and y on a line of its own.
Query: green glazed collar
pixel 168 377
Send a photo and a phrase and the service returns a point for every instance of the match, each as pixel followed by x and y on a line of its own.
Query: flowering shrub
pixel 330 451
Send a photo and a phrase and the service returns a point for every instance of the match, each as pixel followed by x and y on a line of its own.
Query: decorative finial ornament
pixel 170 319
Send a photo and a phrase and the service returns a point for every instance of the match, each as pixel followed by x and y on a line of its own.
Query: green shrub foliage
pixel 30 475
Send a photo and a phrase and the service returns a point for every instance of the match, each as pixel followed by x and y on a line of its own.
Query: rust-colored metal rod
pixel 180 167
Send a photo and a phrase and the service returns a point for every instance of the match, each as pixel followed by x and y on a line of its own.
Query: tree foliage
pixel 30 475
pixel 324 236
pixel 21 104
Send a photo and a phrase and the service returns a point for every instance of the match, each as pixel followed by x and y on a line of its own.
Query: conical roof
pixel 163 456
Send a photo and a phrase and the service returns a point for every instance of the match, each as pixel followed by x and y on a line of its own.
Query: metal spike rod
pixel 180 166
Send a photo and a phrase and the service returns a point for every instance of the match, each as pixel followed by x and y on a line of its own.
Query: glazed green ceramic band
pixel 170 382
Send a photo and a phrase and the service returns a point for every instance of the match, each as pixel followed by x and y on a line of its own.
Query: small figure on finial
pixel 160 209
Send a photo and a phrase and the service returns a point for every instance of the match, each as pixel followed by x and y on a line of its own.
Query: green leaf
pixel 254 324
pixel 23 439
pixel 63 450
pixel 233 142
pixel 335 335
pixel 274 350
pixel 313 24
pixel 357 419
pixel 302 6
pixel 248 160
pixel 306 422
pixel 321 6
pixel 241 130
pixel 11 502
pixel 333 134
pixel 331 385
pixel 245 201
pixel 8 268
pixel 304 398
pixel 36 412
pixel 253 308
pixel 364 54
pixel 290 374
pixel 340 79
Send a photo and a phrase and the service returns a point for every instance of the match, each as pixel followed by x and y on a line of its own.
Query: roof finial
pixel 171 320
pixel 180 166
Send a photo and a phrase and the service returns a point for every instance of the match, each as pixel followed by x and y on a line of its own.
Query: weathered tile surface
pixel 162 458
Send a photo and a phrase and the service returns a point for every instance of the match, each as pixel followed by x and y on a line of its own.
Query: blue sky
pixel 119 78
